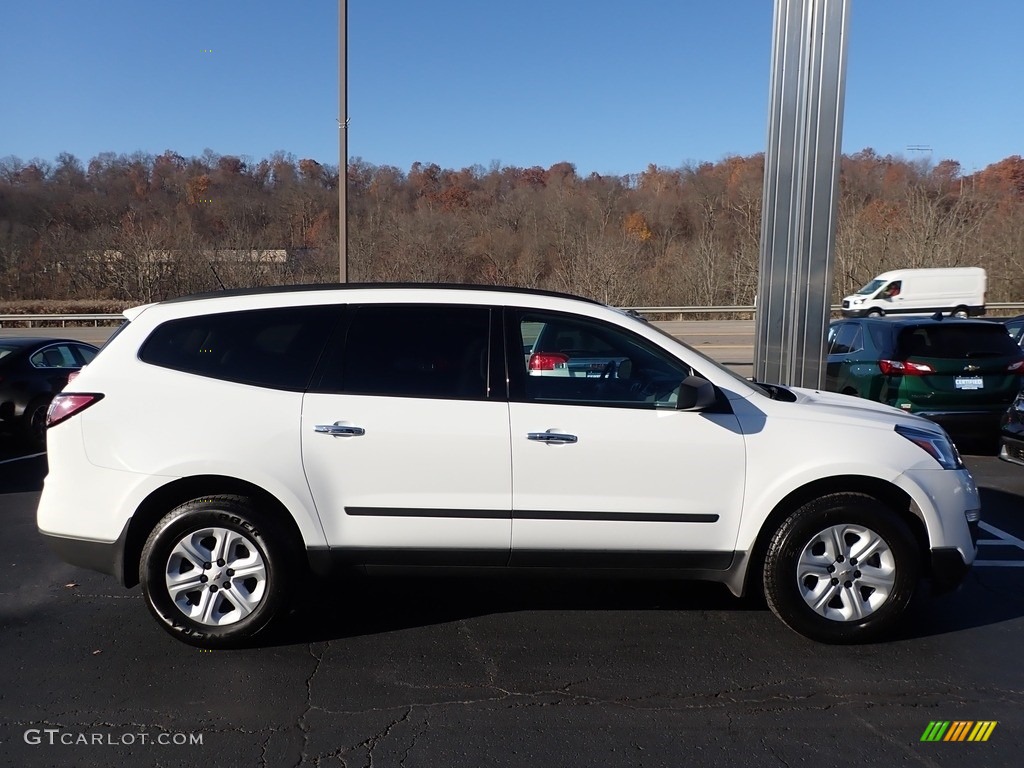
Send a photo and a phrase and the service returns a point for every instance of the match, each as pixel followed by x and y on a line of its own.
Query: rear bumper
pixel 103 556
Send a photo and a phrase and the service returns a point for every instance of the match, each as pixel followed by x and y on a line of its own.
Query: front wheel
pixel 214 572
pixel 841 569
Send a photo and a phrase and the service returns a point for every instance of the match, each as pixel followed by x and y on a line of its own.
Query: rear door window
pixel 55 356
pixel 413 350
pixel 845 339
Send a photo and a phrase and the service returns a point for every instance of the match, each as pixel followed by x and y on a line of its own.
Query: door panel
pixel 405 437
pixel 424 474
pixel 603 462
pixel 634 480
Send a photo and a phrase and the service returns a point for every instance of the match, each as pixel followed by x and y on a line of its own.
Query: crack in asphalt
pixel 303 726
pixel 371 743
pixel 772 752
pixel 415 738
pixel 489 665
pixel 913 754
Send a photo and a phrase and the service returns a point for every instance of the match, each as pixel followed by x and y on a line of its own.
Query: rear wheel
pixel 214 571
pixel 33 423
pixel 875 312
pixel 841 569
pixel 960 312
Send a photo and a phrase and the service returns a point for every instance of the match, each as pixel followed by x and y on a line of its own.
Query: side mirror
pixel 696 394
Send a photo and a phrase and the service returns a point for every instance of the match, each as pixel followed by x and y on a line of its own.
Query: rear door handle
pixel 339 430
pixel 551 437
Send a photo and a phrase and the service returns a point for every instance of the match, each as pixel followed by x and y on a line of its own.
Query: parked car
pixel 962 374
pixel 223 446
pixel 1011 443
pixel 32 371
pixel 1015 327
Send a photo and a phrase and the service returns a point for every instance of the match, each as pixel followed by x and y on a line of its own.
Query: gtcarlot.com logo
pixel 55 736
pixel 958 730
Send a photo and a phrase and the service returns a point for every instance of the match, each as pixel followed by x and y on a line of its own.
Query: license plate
pixel 969 382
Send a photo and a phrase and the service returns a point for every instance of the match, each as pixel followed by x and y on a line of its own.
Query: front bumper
pixel 974 424
pixel 1012 448
pixel 948 569
pixel 854 312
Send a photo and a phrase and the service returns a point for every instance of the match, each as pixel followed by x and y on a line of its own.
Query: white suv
pixel 221 445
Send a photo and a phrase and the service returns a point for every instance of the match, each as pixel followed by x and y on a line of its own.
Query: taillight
pixel 1017 367
pixel 64 406
pixel 904 368
pixel 547 361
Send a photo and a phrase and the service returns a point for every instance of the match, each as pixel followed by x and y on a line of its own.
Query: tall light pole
pixel 343 141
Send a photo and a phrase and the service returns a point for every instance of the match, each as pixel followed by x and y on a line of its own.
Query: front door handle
pixel 551 437
pixel 339 430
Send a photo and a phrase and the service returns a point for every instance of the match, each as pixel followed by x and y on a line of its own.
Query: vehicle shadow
pixel 20 470
pixel 378 603
pixel 388 601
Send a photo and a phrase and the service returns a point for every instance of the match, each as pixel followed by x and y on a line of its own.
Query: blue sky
pixel 608 86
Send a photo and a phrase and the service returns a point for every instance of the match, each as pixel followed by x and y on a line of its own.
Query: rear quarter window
pixel 957 341
pixel 275 348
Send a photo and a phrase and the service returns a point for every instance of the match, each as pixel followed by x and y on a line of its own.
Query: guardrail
pixel 106 319
pixel 996 308
pixel 64 320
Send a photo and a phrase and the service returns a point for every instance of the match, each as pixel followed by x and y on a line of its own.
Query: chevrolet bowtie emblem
pixel 971 367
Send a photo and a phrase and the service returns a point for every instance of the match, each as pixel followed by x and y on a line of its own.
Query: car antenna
pixel 937 315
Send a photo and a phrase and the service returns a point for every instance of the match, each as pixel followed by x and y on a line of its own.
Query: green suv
pixel 963 374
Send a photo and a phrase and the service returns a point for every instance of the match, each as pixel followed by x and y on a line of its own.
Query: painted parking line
pixel 22 458
pixel 1002 539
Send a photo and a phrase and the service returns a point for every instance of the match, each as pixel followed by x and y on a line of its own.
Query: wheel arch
pixel 167 497
pixel 891 495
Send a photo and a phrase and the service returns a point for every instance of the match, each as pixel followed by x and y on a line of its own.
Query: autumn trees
pixel 139 227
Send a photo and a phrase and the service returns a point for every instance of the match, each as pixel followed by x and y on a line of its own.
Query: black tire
pixel 875 313
pixel 218 597
pixel 33 424
pixel 845 604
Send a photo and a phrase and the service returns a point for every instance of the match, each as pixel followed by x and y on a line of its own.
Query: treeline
pixel 137 228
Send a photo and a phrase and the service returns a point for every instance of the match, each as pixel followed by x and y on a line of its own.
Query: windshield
pixel 870 288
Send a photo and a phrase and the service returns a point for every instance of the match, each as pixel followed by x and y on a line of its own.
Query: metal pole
pixel 801 190
pixel 343 141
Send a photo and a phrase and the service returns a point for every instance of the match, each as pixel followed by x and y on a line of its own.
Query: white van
pixel 957 290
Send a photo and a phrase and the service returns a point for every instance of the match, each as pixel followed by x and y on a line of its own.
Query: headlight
pixel 858 301
pixel 939 447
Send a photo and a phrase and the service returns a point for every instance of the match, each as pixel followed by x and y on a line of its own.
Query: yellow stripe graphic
pixel 982 730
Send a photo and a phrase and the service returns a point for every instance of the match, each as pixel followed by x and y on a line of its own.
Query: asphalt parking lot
pixel 495 670
pixel 504 671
